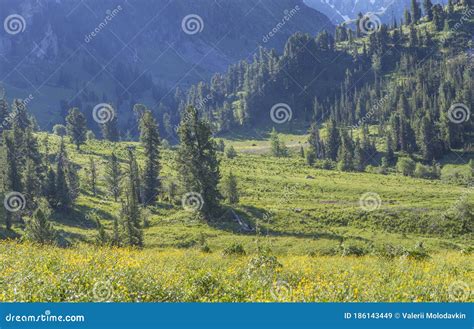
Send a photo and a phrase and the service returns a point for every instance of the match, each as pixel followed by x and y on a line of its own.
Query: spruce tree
pixel 113 175
pixel 102 238
pixel 131 213
pixel 76 127
pixel 62 199
pixel 428 6
pixel 39 229
pixel 197 162
pixel 315 143
pixel 110 130
pixel 333 140
pixel 92 175
pixel 13 181
pixel 230 189
pixel 150 140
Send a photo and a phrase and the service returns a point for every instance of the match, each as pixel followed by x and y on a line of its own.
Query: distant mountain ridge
pixel 340 11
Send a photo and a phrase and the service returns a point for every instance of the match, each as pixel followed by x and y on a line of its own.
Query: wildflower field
pixel 85 273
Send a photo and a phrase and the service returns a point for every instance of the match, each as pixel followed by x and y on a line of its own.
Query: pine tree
pixel 31 184
pixel 110 130
pixel 415 11
pixel 76 127
pixel 302 155
pixel 390 156
pixel 345 153
pixel 115 240
pixel 131 213
pixel 38 228
pixel 13 182
pixel 428 6
pixel 113 175
pixel 102 237
pixel 278 148
pixel 333 140
pixel 150 139
pixel 197 162
pixel 315 143
pixel 92 175
pixel 230 189
pixel 62 198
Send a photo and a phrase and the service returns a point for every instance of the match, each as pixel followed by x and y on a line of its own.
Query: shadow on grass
pixel 227 222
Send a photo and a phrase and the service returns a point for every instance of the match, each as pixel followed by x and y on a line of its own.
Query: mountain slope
pixel 109 50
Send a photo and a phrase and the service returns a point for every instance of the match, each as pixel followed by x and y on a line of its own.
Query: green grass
pixel 298 210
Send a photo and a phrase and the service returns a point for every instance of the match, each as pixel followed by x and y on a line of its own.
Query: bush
pixel 406 166
pixel 90 135
pixel 234 249
pixel 230 152
pixel 456 174
pixel 422 171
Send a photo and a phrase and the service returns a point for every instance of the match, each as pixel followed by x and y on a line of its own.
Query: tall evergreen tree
pixel 113 175
pixel 131 213
pixel 197 162
pixel 333 140
pixel 62 199
pixel 150 139
pixel 110 130
pixel 428 6
pixel 230 189
pixel 76 127
pixel 92 175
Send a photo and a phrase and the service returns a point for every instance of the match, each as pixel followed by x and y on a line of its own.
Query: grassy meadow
pixel 309 239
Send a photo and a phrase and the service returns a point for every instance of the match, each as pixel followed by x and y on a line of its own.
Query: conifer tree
pixel 102 237
pixel 13 181
pixel 38 228
pixel 92 175
pixel 428 6
pixel 197 162
pixel 110 130
pixel 76 127
pixel 315 143
pixel 333 140
pixel 62 199
pixel 113 175
pixel 150 139
pixel 230 189
pixel 131 213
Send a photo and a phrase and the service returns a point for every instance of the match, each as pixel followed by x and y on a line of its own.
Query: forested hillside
pixel 339 170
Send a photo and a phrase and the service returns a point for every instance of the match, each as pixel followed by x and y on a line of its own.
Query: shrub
pixel 234 249
pixel 230 152
pixel 422 171
pixel 406 166
pixel 456 174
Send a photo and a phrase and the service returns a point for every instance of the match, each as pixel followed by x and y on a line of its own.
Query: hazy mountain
pixel 343 10
pixel 126 51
